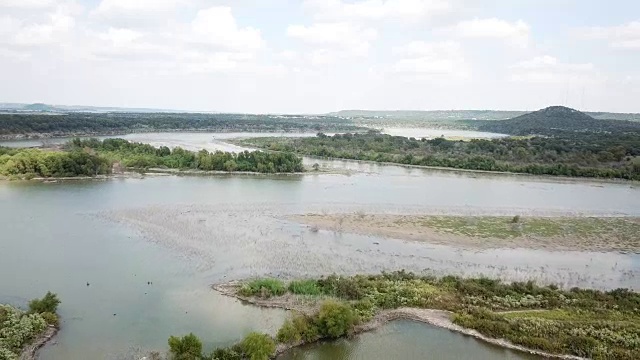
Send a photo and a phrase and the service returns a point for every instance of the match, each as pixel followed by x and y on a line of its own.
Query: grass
pixel 264 288
pixel 505 227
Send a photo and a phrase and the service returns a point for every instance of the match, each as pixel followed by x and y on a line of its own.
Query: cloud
pixel 625 36
pixel 47 29
pixel 516 33
pixel 27 4
pixel 341 34
pixel 431 59
pixel 547 69
pixel 217 26
pixel 376 9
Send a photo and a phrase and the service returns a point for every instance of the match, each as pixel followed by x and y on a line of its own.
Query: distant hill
pixel 558 119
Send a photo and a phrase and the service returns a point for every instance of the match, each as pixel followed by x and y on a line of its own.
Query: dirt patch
pixel 579 234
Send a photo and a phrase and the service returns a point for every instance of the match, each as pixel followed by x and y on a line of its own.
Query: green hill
pixel 555 120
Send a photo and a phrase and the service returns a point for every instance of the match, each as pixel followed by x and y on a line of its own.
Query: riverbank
pixel 603 234
pixel 30 352
pixel 434 317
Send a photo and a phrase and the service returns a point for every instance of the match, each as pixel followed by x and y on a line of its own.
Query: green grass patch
pixel 263 288
pixel 305 287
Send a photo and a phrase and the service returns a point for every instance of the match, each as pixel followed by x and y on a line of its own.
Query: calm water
pixel 184 233
pixel 405 340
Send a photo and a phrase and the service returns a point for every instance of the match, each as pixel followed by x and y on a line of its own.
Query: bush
pixel 296 329
pixel 258 346
pixel 189 347
pixel 264 288
pixel 49 303
pixel 335 319
pixel 305 287
pixel 515 219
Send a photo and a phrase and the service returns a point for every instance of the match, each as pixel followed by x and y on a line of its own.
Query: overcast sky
pixel 316 56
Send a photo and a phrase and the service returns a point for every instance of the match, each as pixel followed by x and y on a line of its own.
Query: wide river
pixel 133 259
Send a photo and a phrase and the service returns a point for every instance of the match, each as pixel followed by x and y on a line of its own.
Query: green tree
pixel 258 346
pixel 335 319
pixel 188 347
pixel 48 304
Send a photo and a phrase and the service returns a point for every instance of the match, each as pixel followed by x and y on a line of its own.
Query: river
pixel 149 249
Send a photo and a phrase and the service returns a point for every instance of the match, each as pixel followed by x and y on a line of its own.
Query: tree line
pixel 106 123
pixel 602 156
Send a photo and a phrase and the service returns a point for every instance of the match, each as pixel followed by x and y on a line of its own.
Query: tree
pixel 48 304
pixel 189 347
pixel 258 346
pixel 335 319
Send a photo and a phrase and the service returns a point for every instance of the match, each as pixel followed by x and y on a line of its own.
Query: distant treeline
pixel 94 157
pixel 604 156
pixel 104 123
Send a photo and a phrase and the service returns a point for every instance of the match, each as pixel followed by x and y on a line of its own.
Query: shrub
pixel 263 288
pixel 49 303
pixel 297 328
pixel 305 287
pixel 335 319
pixel 188 347
pixel 515 219
pixel 258 346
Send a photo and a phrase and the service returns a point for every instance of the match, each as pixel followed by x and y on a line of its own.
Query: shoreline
pixel 433 317
pixel 30 352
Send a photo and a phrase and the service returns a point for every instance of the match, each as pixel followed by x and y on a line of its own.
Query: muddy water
pixel 150 247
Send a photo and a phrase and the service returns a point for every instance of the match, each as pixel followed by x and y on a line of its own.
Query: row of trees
pixel 138 155
pixel 605 156
pixel 104 123
pixel 33 162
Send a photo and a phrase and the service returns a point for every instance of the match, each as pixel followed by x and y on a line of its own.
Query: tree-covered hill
pixel 556 120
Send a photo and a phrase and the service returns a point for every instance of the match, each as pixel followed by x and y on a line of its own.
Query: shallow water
pixel 184 233
pixel 405 340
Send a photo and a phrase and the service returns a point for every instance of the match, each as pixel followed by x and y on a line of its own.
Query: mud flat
pixel 604 234
pixel 247 240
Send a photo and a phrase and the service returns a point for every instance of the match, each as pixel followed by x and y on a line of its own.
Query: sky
pixel 317 56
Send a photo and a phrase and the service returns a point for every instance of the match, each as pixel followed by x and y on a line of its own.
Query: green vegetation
pixel 596 155
pixel 590 323
pixel 263 287
pixel 107 123
pixel 187 347
pixel 94 157
pixel 31 162
pixel 143 156
pixel 258 346
pixel 19 328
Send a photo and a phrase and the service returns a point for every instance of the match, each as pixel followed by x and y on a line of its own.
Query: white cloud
pixel 27 4
pixel 117 7
pixel 376 9
pixel 431 59
pixel 547 69
pixel 625 36
pixel 211 41
pixel 51 28
pixel 217 26
pixel 342 34
pixel 516 33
